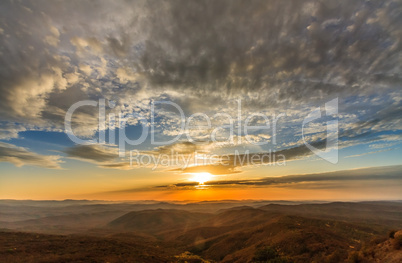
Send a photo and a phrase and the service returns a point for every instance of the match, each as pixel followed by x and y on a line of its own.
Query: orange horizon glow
pixel 201 177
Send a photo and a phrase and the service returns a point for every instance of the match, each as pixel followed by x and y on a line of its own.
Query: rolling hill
pixel 328 232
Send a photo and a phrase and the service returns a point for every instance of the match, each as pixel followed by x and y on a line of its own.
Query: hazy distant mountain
pixel 153 221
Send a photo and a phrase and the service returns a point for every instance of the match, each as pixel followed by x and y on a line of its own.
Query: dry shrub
pixel 397 242
pixel 392 233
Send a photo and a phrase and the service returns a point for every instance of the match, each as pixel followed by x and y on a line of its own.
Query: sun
pixel 201 178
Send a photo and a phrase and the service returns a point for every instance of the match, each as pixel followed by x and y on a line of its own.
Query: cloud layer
pixel 276 57
pixel 386 173
pixel 20 156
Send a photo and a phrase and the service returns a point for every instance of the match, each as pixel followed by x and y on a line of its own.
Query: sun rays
pixel 201 178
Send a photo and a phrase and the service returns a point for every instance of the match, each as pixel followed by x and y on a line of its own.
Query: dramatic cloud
pixel 392 173
pixel 277 57
pixel 228 164
pixel 184 148
pixel 281 52
pixel 270 54
pixel 215 169
pixel 121 165
pixel 92 152
pixel 20 156
pixel 103 156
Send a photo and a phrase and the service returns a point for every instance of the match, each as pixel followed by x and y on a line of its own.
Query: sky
pixel 201 100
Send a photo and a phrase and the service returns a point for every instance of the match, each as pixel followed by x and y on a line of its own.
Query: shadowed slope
pixel 154 221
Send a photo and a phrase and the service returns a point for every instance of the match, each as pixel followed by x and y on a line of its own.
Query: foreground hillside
pixel 330 232
pixel 30 247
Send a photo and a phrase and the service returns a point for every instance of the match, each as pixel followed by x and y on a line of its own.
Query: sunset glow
pixel 200 131
pixel 201 178
pixel 143 100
